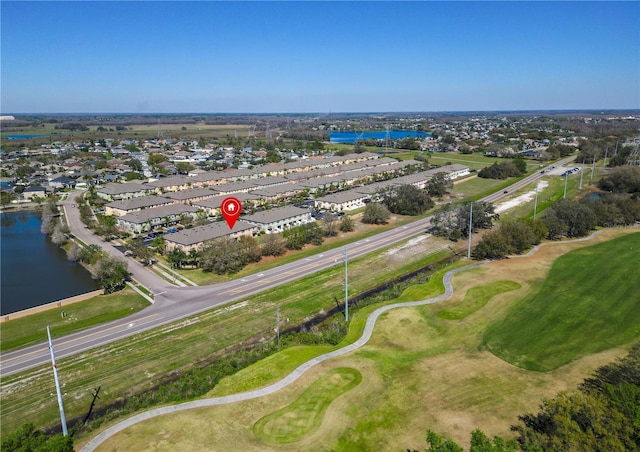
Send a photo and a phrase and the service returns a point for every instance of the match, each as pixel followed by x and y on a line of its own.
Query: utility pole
pixel 346 284
pixel 63 421
pixel 566 178
pixel 278 325
pixel 593 168
pixel 535 203
pixel 470 224
pixel 581 174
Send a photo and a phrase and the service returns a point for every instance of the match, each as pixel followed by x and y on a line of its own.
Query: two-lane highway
pixel 175 303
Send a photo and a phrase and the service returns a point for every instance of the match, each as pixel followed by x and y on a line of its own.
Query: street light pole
pixel 63 421
pixel 470 224
pixel 566 178
pixel 535 203
pixel 346 284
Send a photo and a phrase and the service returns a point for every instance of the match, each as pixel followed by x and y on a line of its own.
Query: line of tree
pixel 619 206
pixel 452 220
pixel 513 168
pixel 405 200
pixel 603 414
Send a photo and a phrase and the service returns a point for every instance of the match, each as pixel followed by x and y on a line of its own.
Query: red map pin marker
pixel 231 208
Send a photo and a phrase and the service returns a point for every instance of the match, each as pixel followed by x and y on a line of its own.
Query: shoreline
pixel 49 306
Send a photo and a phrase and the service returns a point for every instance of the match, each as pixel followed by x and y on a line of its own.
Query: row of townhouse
pixel 267 174
pixel 268 222
pixel 209 200
pixel 359 196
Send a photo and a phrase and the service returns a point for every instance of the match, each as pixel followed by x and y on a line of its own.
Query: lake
pixel 24 137
pixel 352 137
pixel 34 271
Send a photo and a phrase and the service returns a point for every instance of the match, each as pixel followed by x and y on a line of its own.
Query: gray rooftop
pixel 273 215
pixel 145 215
pixel 189 237
pixel 140 202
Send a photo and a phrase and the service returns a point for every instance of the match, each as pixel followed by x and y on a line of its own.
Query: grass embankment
pixel 419 371
pixel 588 303
pixel 138 363
pixel 101 309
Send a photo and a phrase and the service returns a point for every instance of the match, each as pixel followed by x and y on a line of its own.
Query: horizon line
pixel 327 113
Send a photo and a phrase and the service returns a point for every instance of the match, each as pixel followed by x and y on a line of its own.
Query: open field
pixel 24 331
pixel 138 362
pixel 578 310
pixel 419 371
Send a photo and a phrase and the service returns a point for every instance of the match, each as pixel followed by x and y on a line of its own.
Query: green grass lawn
pixel 305 414
pixel 103 308
pixel 588 303
pixel 476 298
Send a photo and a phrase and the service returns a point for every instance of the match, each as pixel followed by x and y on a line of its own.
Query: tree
pixel 58 237
pixel 155 160
pixel 439 444
pixel 375 213
pixel 406 200
pixel 222 256
pixel 452 220
pixel 6 197
pixel 250 248
pixel 111 273
pixel 346 224
pixel 330 225
pixel 134 164
pixel 438 185
pixel 273 245
pixel 27 438
pixel 175 257
pixel 569 218
pixel 159 244
pixel 625 179
pixel 184 167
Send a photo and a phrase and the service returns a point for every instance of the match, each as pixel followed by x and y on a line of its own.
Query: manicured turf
pixel 305 414
pixel 103 308
pixel 589 302
pixel 476 298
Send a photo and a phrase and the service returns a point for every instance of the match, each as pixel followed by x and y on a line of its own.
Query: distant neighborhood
pixel 286 178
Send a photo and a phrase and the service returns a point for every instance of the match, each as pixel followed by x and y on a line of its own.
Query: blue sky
pixel 235 57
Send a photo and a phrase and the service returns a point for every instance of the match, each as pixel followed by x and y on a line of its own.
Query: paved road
pixel 174 303
pixel 286 381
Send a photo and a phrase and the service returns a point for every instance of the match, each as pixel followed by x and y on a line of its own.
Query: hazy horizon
pixel 301 57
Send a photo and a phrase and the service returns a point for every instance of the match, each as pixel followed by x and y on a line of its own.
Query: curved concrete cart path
pixel 286 381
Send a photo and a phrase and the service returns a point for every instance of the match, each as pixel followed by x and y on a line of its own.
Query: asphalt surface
pixel 174 303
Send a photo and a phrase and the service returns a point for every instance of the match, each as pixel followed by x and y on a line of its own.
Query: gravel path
pixel 286 381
